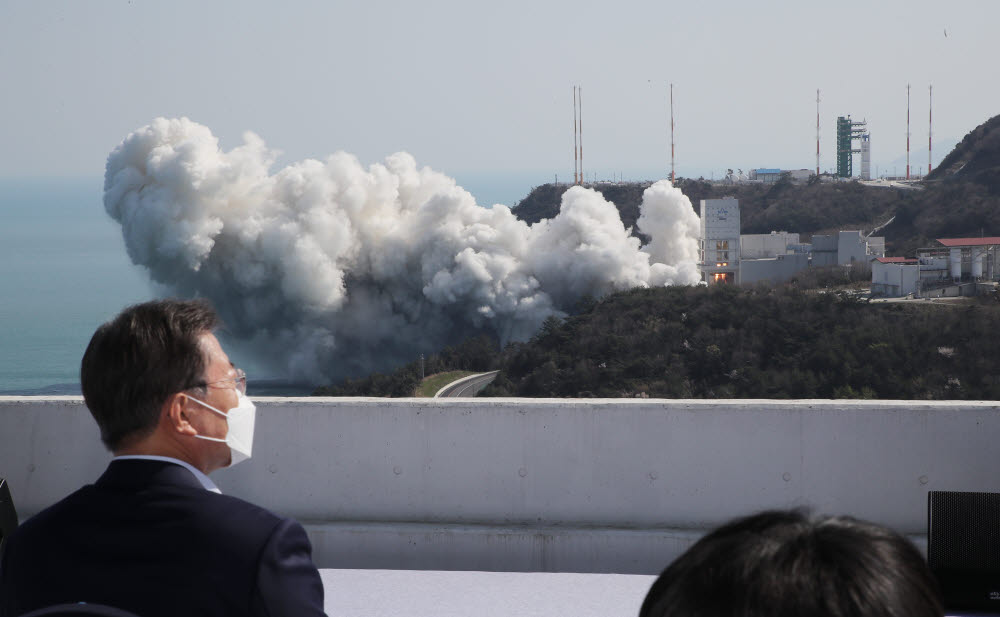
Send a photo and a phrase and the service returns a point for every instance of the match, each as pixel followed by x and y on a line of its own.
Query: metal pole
pixel 576 162
pixel 817 132
pixel 671 133
pixel 907 131
pixel 580 96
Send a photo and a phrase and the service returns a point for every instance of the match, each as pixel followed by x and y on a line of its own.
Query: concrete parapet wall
pixel 547 484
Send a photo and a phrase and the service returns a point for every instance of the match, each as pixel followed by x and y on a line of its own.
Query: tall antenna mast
pixel 579 90
pixel 930 117
pixel 907 131
pixel 817 132
pixel 576 162
pixel 671 133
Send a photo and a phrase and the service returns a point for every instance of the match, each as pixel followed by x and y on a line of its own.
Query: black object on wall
pixel 963 548
pixel 8 515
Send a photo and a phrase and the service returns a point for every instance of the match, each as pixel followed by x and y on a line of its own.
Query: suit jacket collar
pixel 137 473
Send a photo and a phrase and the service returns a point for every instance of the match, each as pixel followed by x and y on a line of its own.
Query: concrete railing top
pixel 563 402
pixel 619 463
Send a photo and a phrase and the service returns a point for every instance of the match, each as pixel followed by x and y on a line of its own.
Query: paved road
pixel 468 386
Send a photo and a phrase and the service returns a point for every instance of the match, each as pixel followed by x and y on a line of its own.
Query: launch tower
pixel 848 131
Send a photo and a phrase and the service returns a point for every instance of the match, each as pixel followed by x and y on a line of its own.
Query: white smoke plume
pixel 341 270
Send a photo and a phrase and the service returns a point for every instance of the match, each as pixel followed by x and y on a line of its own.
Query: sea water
pixel 64 271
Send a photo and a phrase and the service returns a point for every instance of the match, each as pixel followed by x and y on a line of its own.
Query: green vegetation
pixel 723 342
pixel 474 355
pixel 726 342
pixel 430 386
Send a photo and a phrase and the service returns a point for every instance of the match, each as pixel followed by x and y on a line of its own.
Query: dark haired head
pixel 137 360
pixel 788 564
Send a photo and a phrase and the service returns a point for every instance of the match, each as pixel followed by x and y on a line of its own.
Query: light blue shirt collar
pixel 202 478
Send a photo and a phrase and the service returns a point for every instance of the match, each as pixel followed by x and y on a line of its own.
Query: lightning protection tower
pixel 848 131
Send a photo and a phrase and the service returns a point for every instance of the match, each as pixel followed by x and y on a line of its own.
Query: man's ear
pixel 176 416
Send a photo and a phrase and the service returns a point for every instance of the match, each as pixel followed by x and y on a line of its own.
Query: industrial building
pixel 763 246
pixel 968 258
pixel 777 269
pixel 726 256
pixel 846 248
pixel 893 277
pixel 770 176
pixel 773 257
pixel 719 240
pixel 957 267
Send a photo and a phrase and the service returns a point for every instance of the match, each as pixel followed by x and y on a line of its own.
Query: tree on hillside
pixel 721 341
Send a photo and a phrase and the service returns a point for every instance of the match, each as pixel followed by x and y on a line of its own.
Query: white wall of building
pixel 851 248
pixel 759 246
pixel 895 280
pixel 845 248
pixel 876 246
pixel 866 157
pixel 824 250
pixel 774 270
pixel 596 485
pixel 800 175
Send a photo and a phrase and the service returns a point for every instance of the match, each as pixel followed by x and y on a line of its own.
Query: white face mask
pixel 239 437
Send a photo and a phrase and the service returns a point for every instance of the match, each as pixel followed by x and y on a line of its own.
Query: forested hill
pixel 962 198
pixel 724 342
pixel 782 206
pixel 975 158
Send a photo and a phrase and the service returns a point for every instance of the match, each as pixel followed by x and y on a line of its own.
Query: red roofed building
pixel 951 269
pixel 894 277
pixel 897 260
pixel 963 242
pixel 969 259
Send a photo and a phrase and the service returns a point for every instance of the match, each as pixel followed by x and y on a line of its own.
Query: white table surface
pixel 413 593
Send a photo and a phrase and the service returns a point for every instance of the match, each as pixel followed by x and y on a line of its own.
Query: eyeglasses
pixel 240 382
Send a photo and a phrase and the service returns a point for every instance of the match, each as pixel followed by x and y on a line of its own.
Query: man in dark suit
pixel 153 535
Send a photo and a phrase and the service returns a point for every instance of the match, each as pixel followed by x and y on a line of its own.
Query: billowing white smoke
pixel 340 270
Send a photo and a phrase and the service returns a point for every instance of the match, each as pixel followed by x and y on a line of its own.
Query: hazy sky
pixel 470 86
